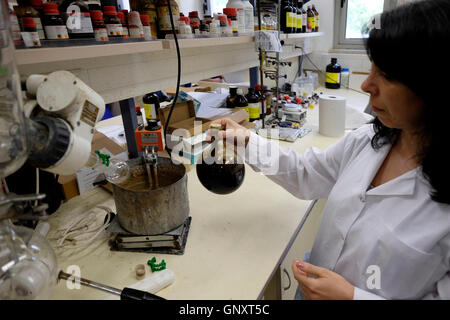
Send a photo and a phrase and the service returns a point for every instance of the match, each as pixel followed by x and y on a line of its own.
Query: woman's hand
pixel 326 285
pixel 232 132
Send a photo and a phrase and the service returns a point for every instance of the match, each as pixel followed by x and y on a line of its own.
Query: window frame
pixel 340 21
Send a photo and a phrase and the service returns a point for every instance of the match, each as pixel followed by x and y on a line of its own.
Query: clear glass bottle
pixel 115 170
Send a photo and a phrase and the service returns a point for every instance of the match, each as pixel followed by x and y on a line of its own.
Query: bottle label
pixel 39 28
pixel 56 32
pixel 164 18
pixel 249 20
pixel 234 27
pixel 147 32
pixel 114 30
pixel 80 22
pixel 150 111
pixel 333 77
pixel 299 21
pixel 31 39
pixel 241 20
pixel 125 32
pixel 136 31
pixel 253 110
pixel 101 34
pixel 311 23
pixel 316 22
pixel 289 20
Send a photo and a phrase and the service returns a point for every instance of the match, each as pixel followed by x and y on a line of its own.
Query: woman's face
pixel 395 104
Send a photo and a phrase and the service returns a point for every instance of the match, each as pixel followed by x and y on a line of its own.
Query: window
pixel 351 17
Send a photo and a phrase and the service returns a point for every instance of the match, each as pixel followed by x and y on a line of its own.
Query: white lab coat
pixel 394 227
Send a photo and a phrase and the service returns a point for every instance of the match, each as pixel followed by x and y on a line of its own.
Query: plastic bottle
pixel 345 77
pixel 112 22
pixel 311 19
pixel 151 106
pixel 29 33
pixel 240 14
pixel 333 75
pixel 196 29
pixel 223 23
pixel 254 107
pixel 148 8
pixel 165 27
pixel 78 19
pixel 100 32
pixel 123 18
pixel 54 25
pixel 316 19
pixel 232 16
pixel 135 26
pixel 214 29
pixel 145 19
pixel 25 9
pixel 248 17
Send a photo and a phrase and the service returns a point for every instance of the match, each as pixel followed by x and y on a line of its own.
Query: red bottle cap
pixel 145 19
pixel 110 10
pixel 230 12
pixel 121 17
pixel 193 14
pixel 195 24
pixel 28 22
pixel 298 100
pixel 36 3
pixel 50 8
pixel 258 87
pixel 96 15
pixel 186 20
pixel 286 98
pixel 138 109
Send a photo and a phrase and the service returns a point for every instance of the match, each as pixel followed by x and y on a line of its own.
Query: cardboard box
pixel 172 91
pixel 99 141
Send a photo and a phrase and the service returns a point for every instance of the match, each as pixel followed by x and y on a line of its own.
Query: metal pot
pixel 148 212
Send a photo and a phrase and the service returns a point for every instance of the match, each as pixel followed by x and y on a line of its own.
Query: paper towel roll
pixel 332 115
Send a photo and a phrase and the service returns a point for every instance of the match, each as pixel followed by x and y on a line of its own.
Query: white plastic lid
pixel 239 91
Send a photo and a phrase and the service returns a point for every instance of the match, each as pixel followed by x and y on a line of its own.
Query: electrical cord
pixel 324 74
pixel 166 125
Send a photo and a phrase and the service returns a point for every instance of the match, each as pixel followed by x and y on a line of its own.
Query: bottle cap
pixel 185 19
pixel 193 14
pixel 333 60
pixel 345 69
pixel 110 10
pixel 121 16
pixel 230 12
pixel 233 91
pixel 134 19
pixel 36 3
pixel 28 22
pixel 50 8
pixel 96 15
pixel 257 87
pixel 145 19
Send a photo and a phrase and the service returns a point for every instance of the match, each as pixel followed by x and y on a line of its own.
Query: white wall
pixel 191 5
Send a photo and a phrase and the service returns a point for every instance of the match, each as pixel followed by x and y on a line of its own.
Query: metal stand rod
pixel 129 119
pixel 89 283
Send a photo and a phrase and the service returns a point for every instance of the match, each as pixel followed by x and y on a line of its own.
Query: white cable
pixel 81 231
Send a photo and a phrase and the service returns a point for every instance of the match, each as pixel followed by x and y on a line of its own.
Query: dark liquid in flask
pixel 221 178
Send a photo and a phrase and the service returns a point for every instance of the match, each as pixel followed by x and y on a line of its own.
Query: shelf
pixel 53 54
pixel 206 42
pixel 301 35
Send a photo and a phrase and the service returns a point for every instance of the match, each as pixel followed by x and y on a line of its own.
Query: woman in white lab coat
pixel 385 231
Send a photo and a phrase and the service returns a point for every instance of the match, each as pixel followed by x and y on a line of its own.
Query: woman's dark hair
pixel 410 48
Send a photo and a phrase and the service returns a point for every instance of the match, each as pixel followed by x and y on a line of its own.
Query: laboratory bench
pixel 236 242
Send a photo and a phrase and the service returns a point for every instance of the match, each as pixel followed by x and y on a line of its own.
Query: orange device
pixel 151 134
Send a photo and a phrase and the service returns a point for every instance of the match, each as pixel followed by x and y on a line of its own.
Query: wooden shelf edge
pixel 206 42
